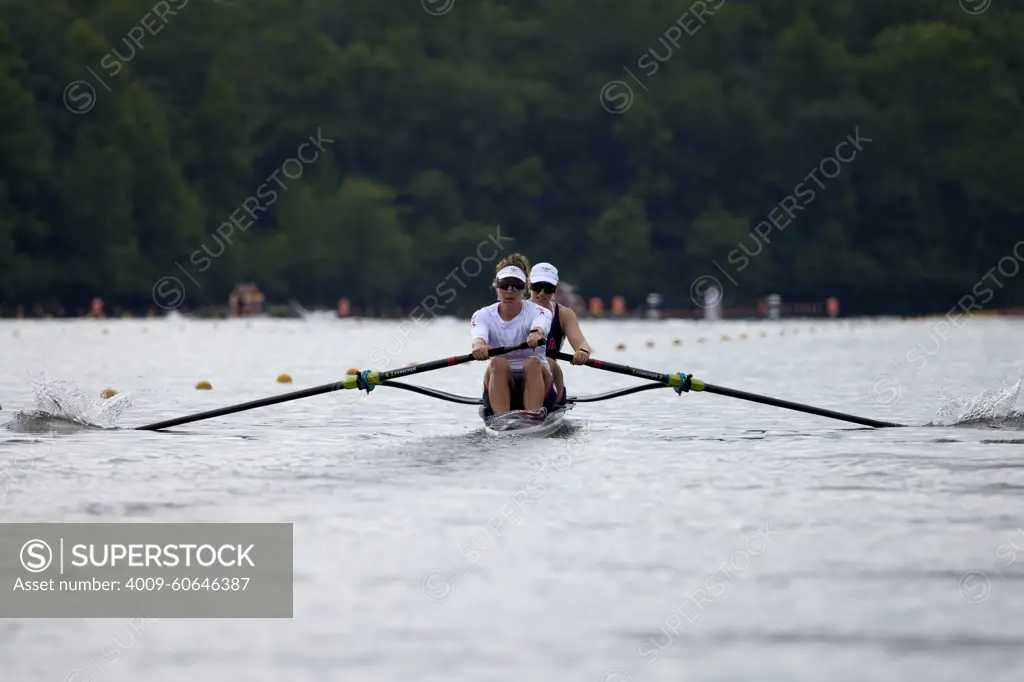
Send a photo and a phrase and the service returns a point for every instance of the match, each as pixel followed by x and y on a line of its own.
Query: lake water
pixel 660 537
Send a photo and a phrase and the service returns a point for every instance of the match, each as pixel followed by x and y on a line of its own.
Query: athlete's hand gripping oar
pixel 365 380
pixel 686 382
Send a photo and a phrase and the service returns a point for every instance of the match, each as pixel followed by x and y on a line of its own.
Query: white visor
pixel 509 272
pixel 544 272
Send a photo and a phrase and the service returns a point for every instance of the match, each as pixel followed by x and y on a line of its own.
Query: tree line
pixel 869 150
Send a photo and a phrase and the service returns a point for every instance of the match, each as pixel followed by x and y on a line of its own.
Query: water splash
pixel 59 405
pixel 995 408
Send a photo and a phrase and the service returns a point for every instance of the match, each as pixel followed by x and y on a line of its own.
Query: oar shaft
pixel 381 377
pixel 809 409
pixel 348 382
pixel 696 385
pixel 262 402
pixel 435 364
pixel 612 367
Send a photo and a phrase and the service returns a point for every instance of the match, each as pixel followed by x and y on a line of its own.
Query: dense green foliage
pixel 442 127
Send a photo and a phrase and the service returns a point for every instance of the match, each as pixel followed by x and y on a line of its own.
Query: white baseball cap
pixel 544 272
pixel 511 272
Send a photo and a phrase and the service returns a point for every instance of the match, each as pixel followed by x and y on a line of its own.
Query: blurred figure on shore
pixel 246 299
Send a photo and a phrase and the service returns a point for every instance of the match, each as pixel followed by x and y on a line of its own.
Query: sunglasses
pixel 510 285
pixel 543 287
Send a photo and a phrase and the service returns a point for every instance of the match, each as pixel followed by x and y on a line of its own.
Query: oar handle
pixel 494 352
pixel 508 349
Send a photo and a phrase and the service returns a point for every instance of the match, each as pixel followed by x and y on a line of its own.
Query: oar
pixel 366 380
pixel 686 382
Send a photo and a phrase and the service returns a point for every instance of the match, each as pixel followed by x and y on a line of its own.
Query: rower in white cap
pixel 564 323
pixel 519 379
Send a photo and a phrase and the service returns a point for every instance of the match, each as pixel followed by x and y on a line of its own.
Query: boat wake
pixel 60 407
pixel 994 408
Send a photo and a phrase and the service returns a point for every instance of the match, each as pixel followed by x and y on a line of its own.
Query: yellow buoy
pixel 725 337
pixel 108 393
pixel 743 335
pixel 677 342
pixel 203 385
pixel 284 378
pixel 352 371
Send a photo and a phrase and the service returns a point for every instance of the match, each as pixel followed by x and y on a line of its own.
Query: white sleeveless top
pixel 496 332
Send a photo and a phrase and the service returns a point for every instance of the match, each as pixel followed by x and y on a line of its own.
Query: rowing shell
pixel 532 423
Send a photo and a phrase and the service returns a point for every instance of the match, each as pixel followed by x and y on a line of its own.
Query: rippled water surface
pixel 660 537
